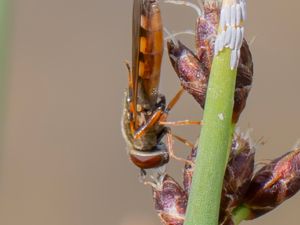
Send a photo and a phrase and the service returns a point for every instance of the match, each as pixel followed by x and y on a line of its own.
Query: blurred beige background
pixel 64 160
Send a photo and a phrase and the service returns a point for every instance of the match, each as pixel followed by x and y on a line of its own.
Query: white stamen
pixel 242 38
pixel 238 39
pixel 217 46
pixel 243 31
pixel 222 40
pixel 238 14
pixel 232 15
pixel 228 36
pixel 243 9
pixel 227 15
pixel 233 37
pixel 234 59
pixel 222 19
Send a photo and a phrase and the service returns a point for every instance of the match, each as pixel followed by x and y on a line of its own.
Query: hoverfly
pixel 145 109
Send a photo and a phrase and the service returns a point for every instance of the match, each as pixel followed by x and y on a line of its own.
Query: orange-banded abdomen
pixel 150 49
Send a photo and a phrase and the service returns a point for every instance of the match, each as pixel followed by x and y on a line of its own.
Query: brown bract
pixel 260 192
pixel 206 32
pixel 273 184
pixel 170 201
pixel 237 177
pixel 189 70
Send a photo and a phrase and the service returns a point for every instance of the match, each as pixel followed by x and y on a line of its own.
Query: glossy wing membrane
pixel 136 24
pixel 147 50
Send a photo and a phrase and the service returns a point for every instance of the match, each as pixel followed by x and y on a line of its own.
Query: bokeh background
pixel 64 160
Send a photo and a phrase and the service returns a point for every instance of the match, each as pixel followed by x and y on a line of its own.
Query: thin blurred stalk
pixel 240 214
pixel 4 29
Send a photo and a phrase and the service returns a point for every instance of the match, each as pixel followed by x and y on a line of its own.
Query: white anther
pixel 222 40
pixel 238 39
pixel 222 19
pixel 243 10
pixel 238 14
pixel 227 15
pixel 217 46
pixel 234 59
pixel 228 36
pixel 232 15
pixel 233 37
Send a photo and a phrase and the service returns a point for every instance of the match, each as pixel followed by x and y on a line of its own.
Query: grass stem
pixel 214 144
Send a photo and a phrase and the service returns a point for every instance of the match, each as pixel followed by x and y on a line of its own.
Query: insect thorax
pixel 151 138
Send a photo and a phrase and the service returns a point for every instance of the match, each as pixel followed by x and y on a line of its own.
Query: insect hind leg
pixel 171 151
pixel 129 73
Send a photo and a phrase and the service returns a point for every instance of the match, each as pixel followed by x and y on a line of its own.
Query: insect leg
pixel 184 141
pixel 174 100
pixel 170 148
pixel 158 116
pixel 132 108
pixel 150 123
pixel 180 123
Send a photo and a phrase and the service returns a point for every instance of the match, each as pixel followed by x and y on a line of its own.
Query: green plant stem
pixel 4 13
pixel 214 142
pixel 239 214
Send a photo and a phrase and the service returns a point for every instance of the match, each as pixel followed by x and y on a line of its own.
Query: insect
pixel 145 109
pixel 170 201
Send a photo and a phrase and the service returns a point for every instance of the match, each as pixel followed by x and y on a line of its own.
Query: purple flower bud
pixel 170 201
pixel 273 184
pixel 189 70
pixel 238 175
pixel 206 33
